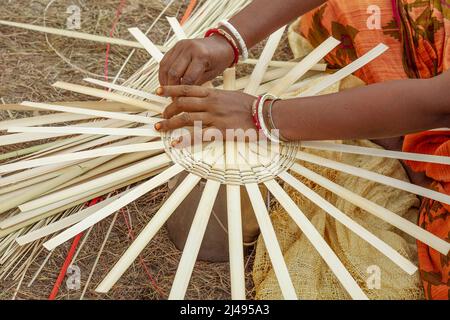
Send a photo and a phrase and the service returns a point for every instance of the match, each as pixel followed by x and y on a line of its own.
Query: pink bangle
pixel 230 41
pixel 255 117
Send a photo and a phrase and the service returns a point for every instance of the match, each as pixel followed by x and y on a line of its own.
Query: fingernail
pixel 158 126
pixel 159 91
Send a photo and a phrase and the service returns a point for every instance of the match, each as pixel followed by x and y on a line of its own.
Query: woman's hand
pixel 219 109
pixel 194 62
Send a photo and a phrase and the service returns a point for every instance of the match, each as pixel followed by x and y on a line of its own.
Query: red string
pixel 111 33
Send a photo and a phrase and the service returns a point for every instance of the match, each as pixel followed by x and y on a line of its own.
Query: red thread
pixel 111 33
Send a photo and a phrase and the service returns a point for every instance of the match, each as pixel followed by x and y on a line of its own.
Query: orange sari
pixel 418 35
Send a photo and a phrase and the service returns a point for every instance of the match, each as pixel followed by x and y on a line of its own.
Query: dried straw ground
pixel 29 66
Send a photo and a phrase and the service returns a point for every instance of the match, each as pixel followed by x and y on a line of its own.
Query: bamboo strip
pixel 303 66
pixel 147 44
pixel 261 67
pixel 26 151
pixel 194 241
pixel 67 131
pixel 45 119
pixel 330 146
pixel 286 64
pixel 308 229
pixel 390 217
pixel 362 232
pixel 114 206
pixel 176 28
pixel 376 177
pixel 147 234
pixel 108 95
pixel 139 168
pixel 128 90
pixel 100 152
pixel 91 113
pixel 346 71
pixel 271 242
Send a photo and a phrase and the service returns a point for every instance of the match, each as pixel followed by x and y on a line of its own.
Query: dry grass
pixel 29 67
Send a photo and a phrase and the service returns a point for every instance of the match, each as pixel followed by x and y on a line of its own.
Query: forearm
pixel 262 17
pixel 377 111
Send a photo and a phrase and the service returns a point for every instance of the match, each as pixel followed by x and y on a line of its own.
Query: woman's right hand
pixel 196 61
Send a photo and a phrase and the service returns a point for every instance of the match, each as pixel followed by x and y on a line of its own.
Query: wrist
pixel 226 44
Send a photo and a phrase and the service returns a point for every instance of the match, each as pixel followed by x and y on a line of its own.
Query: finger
pixel 207 76
pixel 178 68
pixel 185 104
pixel 166 62
pixel 193 73
pixel 183 120
pixel 183 91
pixel 191 139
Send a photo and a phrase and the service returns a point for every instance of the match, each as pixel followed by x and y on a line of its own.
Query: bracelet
pixel 272 123
pixel 260 107
pixel 237 35
pixel 255 113
pixel 230 41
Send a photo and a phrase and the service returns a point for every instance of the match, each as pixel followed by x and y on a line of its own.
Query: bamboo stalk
pixel 147 44
pixel 139 168
pixel 194 241
pixel 303 66
pixel 308 229
pixel 108 95
pixel 270 240
pixel 376 177
pixel 390 217
pixel 329 146
pixel 114 206
pixel 91 113
pixel 67 131
pixel 100 152
pixel 346 71
pixel 362 232
pixel 147 234
pixel 128 90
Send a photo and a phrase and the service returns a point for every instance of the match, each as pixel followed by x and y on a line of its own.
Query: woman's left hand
pixel 213 108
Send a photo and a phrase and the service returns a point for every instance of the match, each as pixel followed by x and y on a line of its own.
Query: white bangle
pixel 272 137
pixel 237 35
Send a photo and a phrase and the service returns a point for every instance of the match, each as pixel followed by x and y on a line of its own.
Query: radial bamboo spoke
pixel 147 44
pixel 67 131
pixel 147 234
pixel 194 241
pixel 376 177
pixel 390 217
pixel 176 28
pixel 42 120
pixel 271 242
pixel 114 206
pixel 346 71
pixel 330 258
pixel 92 112
pixel 330 146
pixel 362 232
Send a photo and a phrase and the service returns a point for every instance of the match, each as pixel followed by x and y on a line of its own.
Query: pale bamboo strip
pixel 147 44
pixel 39 270
pixel 390 217
pixel 362 232
pixel 176 28
pixel 270 75
pixel 128 90
pixel 261 67
pixel 100 152
pixel 29 222
pixel 194 241
pixel 330 146
pixel 303 66
pixel 97 105
pixel 26 151
pixel 346 71
pixel 45 119
pixel 376 177
pixel 308 229
pixel 286 64
pixel 67 131
pixel 91 112
pixel 141 167
pixel 271 242
pixel 114 206
pixel 147 234
pixel 64 223
pixel 108 95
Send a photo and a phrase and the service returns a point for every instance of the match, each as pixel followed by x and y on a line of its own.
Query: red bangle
pixel 255 113
pixel 229 39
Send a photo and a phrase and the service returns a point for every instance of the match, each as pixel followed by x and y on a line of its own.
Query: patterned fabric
pixel 417 33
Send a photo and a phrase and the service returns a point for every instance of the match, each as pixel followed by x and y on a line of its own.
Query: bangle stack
pixel 238 37
pixel 271 131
